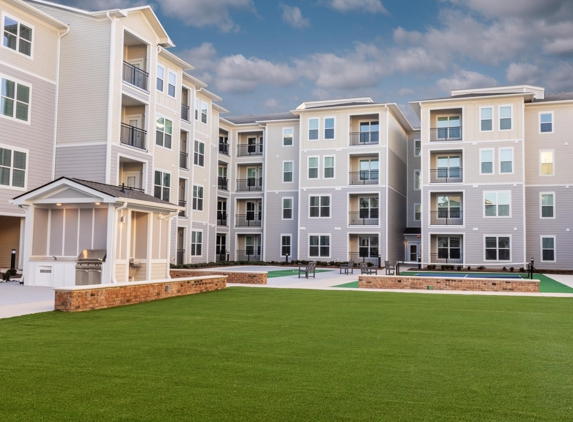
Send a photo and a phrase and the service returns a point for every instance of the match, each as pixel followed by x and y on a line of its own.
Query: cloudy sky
pixel 266 56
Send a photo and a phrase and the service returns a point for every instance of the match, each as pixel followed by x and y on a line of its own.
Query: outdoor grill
pixel 88 268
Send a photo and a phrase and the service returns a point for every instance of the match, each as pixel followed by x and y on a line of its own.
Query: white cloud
pixel 523 73
pixel 371 6
pixel 293 17
pixel 560 9
pixel 405 91
pixel 464 79
pixel 559 46
pixel 559 79
pixel 201 58
pixel 272 104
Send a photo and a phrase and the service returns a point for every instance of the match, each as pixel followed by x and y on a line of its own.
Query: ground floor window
pixel 196 243
pixel 548 248
pixel 497 248
pixel 449 247
pixel 319 246
pixel 285 245
pixel 368 246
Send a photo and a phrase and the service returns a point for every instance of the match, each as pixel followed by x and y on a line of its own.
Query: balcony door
pixel 368 246
pixel 250 211
pixel 369 132
pixel 449 127
pixel 252 245
pixel 449 206
pixel 221 247
pixel 368 207
pixel 251 145
pixel 449 248
pixel 254 177
pixel 369 169
pixel 222 212
pixel 449 167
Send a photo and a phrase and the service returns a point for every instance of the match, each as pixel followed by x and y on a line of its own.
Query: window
pixel 313 167
pixel 486 161
pixel 196 243
pixel 546 122
pixel 319 246
pixel 548 248
pixel 486 118
pixel 285 245
pixel 162 185
pixel 449 167
pixel 417 147
pixel 160 78
pixel 369 132
pixel 313 129
pixel 449 206
pixel 287 171
pixel 417 179
pixel 497 204
pixel 15 100
pixel 171 83
pixel 546 158
pixel 329 167
pixel 203 112
pixel 506 160
pixel 417 212
pixel 12 168
pixel 17 36
pixel 196 109
pixel 287 137
pixel 547 205
pixel 449 247
pixel 497 248
pixel 163 131
pixel 449 128
pixel 368 246
pixel 319 206
pixel 198 198
pixel 505 118
pixel 199 154
pixel 368 207
pixel 329 128
pixel 287 208
pixel 369 169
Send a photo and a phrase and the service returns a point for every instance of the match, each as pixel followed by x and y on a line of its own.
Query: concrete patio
pixel 17 299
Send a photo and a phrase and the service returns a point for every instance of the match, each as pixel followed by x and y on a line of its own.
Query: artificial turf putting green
pixel 286 273
pixel 294 355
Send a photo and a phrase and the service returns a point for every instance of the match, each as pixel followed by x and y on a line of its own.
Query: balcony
pixel 135 76
pixel 447 217
pixel 251 219
pixel 185 112
pixel 364 177
pixel 365 217
pixel 133 136
pixel 446 175
pixel 250 185
pixel 184 161
pixel 183 203
pixel 364 138
pixel 442 134
pixel 223 183
pixel 222 219
pixel 371 257
pixel 249 255
pixel 245 150
pixel 223 148
pixel 453 257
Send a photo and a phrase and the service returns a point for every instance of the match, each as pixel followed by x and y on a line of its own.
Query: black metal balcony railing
pixel 183 160
pixel 222 219
pixel 223 183
pixel 364 177
pixel 365 256
pixel 244 150
pixel 446 175
pixel 180 256
pixel 249 255
pixel 133 136
pixel 223 148
pixel 220 257
pixel 364 138
pixel 135 76
pixel 454 256
pixel 364 218
pixel 250 219
pixel 124 187
pixel 446 134
pixel 249 185
pixel 185 112
pixel 183 203
pixel 447 217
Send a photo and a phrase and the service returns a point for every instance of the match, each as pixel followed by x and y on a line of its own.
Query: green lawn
pixel 294 355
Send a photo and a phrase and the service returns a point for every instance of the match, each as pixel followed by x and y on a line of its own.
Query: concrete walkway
pixel 17 299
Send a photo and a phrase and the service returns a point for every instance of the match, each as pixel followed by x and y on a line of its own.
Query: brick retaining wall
pixel 242 277
pixel 86 298
pixel 470 284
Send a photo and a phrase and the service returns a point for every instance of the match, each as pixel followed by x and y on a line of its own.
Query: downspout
pixel 110 98
pixel 113 280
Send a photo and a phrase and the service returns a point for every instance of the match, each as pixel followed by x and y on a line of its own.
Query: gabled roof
pixel 173 58
pixel 37 13
pixel 259 118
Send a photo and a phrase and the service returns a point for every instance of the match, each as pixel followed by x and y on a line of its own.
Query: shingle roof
pixel 564 96
pixel 343 105
pixel 254 118
pixel 484 94
pixel 117 192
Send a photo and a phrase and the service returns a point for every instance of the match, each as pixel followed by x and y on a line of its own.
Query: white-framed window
pixel 548 244
pixel 546 161
pixel 199 154
pixel 287 208
pixel 198 198
pixel 369 132
pixel 417 212
pixel 171 83
pixel 505 117
pixel 449 128
pixel 497 248
pixel 162 185
pixel 486 161
pixel 196 243
pixel 163 132
pixel 203 112
pixel 547 205
pixel 486 119
pixel 13 165
pixel 313 167
pixel 288 171
pixel 286 243
pixel 196 109
pixel 545 122
pixel 417 147
pixel 287 136
pixel 17 36
pixel 368 208
pixel 368 169
pixel 319 206
pixel 417 180
pixel 15 100
pixel 497 204
pixel 328 167
pixel 160 78
pixel 449 206
pixel 505 160
pixel 313 129
pixel 319 245
pixel 329 128
pixel 450 248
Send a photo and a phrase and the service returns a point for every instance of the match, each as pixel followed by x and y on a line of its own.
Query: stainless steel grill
pixel 88 267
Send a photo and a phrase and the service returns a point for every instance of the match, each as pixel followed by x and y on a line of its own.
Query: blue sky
pixel 263 56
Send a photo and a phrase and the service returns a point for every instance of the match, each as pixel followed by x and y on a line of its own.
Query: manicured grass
pixel 286 273
pixel 294 355
pixel 351 285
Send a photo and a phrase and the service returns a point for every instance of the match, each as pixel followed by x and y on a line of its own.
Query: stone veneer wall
pixel 100 296
pixel 470 284
pixel 242 277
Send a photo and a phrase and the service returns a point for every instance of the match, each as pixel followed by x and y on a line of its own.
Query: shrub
pixel 459 267
pixel 481 268
pixel 511 269
pixel 5 276
pixel 443 267
pixel 522 270
pixel 504 269
pixel 370 264
pixel 469 268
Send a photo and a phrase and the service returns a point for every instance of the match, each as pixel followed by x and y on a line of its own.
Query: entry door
pixel 413 252
pixel 251 176
pixel 250 211
pixel 252 145
pixel 222 211
pixel 180 245
pixel 221 246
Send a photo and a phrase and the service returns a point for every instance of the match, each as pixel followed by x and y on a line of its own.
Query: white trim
pixel 552 151
pixel 26 170
pixel 15 100
pixel 421 184
pixel 169 73
pixel 191 243
pixel 333 128
pixel 289 235
pixel 291 171
pixel 414 216
pixel 319 246
pixel 496 204
pixel 420 141
pixel 552 122
pixel 324 157
pixel 541 237
pixel 19 21
pixel 499 107
pixel 155 169
pixel 204 106
pixel 320 206
pixel 317 129
pixel 317 167
pixel 492 161
pixel 499 150
pixel 291 208
pixel 541 206
pixel 155 144
pixel 497 236
pixel 481 119
pixel 202 198
pixel 196 152
pixel 292 137
pixel 157 77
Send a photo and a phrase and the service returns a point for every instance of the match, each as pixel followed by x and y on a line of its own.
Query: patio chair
pixel 390 270
pixel 365 269
pixel 347 266
pixel 307 269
